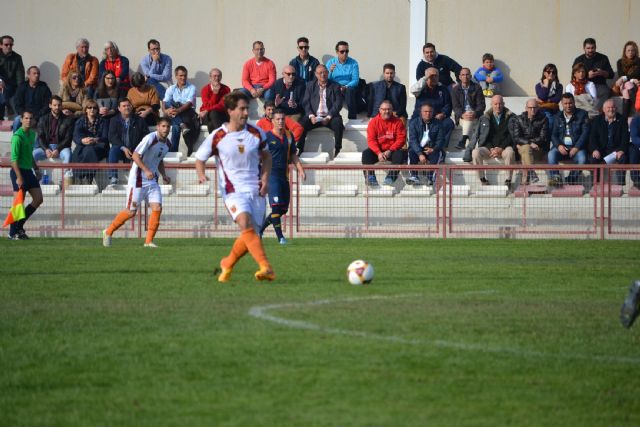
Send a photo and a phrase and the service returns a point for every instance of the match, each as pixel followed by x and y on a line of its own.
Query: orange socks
pixel 119 220
pixel 254 246
pixel 152 228
pixel 238 250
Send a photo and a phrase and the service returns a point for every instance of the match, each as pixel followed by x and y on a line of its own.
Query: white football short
pixel 151 193
pixel 254 205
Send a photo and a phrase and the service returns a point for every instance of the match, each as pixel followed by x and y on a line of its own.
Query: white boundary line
pixel 261 312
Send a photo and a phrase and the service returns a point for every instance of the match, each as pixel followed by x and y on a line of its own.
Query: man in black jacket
pixel 54 134
pixel 530 132
pixel 609 139
pixel 468 105
pixel 443 63
pixel 598 69
pixel 126 130
pixel 32 95
pixel 11 72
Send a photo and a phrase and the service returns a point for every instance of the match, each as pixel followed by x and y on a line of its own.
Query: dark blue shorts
pixel 29 179
pixel 278 191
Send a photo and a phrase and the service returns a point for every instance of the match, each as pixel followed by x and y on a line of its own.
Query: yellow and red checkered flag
pixel 16 213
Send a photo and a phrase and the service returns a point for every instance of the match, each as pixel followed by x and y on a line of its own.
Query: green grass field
pixel 456 332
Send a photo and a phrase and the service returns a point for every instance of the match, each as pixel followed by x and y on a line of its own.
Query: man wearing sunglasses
pixel 304 64
pixel 288 92
pixel 11 72
pixel 345 72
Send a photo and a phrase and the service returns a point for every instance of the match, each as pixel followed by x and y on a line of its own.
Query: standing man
pixel 126 130
pixel 179 105
pixel 143 183
pixel 609 139
pixel 244 165
pixel 283 152
pixel 288 92
pixel 304 64
pixel 11 72
pixel 85 64
pixel 32 95
pixel 322 104
pixel 531 136
pixel 386 138
pixel 22 172
pixel 444 65
pixel 345 72
pixel 598 69
pixel 569 139
pixel 426 143
pixel 391 90
pixel 258 74
pixel 156 67
pixel 468 104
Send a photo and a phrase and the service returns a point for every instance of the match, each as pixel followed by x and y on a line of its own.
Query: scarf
pixel 578 86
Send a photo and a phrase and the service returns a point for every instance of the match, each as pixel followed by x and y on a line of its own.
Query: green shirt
pixel 22 143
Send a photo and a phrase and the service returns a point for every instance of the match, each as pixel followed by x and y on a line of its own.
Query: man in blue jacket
pixel 126 130
pixel 569 139
pixel 426 142
pixel 390 90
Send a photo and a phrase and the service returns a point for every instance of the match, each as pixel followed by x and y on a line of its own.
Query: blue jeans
pixel 436 157
pixel 159 87
pixel 65 154
pixel 268 94
pixel 115 155
pixel 554 157
pixel 634 159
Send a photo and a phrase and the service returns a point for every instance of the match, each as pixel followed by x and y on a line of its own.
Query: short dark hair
pixel 124 99
pixel 302 39
pixel 269 104
pixel 231 99
pixel 589 40
pixel 6 36
pixel 27 111
pixel 568 95
pixel 341 43
pixel 138 79
pixel 180 68
pixel 55 98
pixel 31 68
pixel 487 56
pixel 164 120
pixel 152 41
pixel 388 66
pixel 279 111
pixel 253 45
pixel 426 45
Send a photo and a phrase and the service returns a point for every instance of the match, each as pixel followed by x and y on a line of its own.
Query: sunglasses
pixel 343 51
pixel 303 47
pixel 289 74
pixel 74 77
pixel 92 108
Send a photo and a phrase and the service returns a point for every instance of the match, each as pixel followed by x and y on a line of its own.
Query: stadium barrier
pixel 336 201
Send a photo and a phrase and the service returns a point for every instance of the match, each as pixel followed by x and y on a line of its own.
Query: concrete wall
pixel 201 34
pixel 525 35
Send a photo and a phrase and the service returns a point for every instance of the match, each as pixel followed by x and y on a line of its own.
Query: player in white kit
pixel 244 165
pixel 143 182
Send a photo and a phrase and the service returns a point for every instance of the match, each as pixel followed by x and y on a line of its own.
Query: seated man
pixel 156 67
pixel 493 138
pixel 426 143
pixel 531 135
pixel 11 72
pixel 322 103
pixel 179 105
pixel 304 64
pixel 345 72
pixel 443 63
pixel 609 139
pixel 489 76
pixel 468 105
pixel 429 90
pixel 266 122
pixel 288 92
pixel 258 74
pixel 85 64
pixel 32 95
pixel 391 90
pixel 212 111
pixel 598 70
pixel 386 138
pixel 569 138
pixel 126 130
pixel 54 134
pixel 634 150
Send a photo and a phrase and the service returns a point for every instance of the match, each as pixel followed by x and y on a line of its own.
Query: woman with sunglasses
pixel 73 94
pixel 548 92
pixel 91 136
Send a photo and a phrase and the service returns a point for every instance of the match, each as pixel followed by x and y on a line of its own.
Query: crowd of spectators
pixel 104 108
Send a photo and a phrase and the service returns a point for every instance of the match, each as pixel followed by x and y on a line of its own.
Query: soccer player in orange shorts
pixel 143 182
pixel 243 165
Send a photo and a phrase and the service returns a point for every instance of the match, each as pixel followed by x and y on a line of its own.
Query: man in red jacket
pixel 386 138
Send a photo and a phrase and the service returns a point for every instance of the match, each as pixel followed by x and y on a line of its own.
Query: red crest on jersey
pixel 241 148
pixel 233 209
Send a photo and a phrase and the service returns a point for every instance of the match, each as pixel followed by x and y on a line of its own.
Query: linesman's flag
pixel 16 213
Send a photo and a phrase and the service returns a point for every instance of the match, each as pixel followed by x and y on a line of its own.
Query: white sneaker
pixel 106 239
pixel 283 241
pixel 150 245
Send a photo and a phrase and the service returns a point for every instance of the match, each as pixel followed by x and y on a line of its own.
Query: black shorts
pixel 29 179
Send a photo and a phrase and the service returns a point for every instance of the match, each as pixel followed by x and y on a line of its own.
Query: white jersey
pixel 238 158
pixel 151 150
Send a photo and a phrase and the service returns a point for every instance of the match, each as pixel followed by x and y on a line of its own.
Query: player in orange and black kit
pixel 283 152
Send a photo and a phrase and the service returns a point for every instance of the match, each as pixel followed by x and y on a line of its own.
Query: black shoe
pixel 461 144
pixel 336 152
pixel 507 182
pixel 21 235
pixel 467 157
pixel 484 181
pixel 630 308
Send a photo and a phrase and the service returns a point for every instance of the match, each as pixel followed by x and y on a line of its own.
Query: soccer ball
pixel 360 272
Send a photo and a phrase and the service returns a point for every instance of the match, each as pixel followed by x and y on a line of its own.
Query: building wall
pixel 201 34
